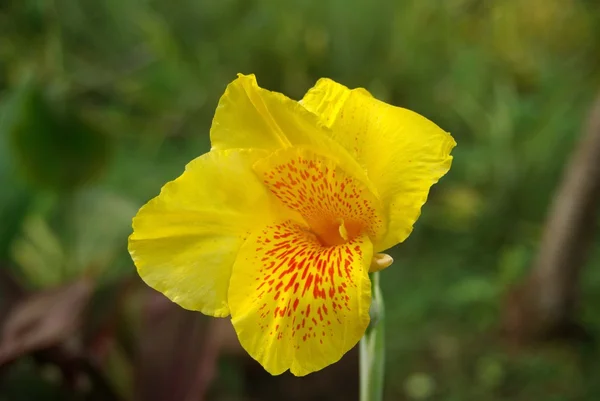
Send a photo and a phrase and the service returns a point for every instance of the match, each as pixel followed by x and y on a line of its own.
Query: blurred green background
pixel 102 102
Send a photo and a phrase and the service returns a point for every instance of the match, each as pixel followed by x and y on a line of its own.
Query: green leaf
pixel 53 146
pixel 14 202
pixel 87 239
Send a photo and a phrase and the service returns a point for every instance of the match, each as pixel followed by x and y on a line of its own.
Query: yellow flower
pixel 278 224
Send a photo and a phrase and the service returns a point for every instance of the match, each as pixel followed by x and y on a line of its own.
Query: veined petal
pixel 249 116
pixel 296 304
pixel 403 153
pixel 336 205
pixel 186 239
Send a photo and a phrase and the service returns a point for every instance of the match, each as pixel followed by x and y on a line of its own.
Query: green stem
pixel 372 349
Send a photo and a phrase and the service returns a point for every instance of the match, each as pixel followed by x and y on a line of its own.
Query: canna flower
pixel 277 226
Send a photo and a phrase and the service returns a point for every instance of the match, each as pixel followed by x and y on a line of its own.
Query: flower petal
pixel 249 116
pixel 296 304
pixel 333 203
pixel 404 153
pixel 186 239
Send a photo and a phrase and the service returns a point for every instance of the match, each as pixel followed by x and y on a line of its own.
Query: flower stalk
pixel 372 348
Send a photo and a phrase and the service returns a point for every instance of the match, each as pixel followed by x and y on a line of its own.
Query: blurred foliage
pixel 54 148
pixel 102 102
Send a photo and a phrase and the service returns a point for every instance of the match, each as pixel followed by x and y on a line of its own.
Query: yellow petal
pixel 296 304
pixel 186 239
pixel 249 116
pixel 403 153
pixel 336 205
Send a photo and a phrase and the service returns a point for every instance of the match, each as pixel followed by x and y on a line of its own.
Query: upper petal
pixel 403 153
pixel 296 304
pixel 186 239
pixel 249 116
pixel 335 205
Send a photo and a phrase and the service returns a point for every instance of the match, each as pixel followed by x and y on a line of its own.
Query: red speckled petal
pixel 336 205
pixel 296 304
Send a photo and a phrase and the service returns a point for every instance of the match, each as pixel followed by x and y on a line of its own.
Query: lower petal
pixel 296 304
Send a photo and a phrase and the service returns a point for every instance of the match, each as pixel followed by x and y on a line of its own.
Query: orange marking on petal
pixel 307 284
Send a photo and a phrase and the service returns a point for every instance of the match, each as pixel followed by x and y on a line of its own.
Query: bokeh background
pixel 102 102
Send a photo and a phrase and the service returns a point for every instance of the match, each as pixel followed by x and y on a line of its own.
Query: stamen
pixel 343 230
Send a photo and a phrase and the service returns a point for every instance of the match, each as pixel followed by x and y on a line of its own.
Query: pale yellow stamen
pixel 343 230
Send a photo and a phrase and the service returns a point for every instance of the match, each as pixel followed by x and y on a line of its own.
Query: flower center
pixel 337 207
pixel 335 232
